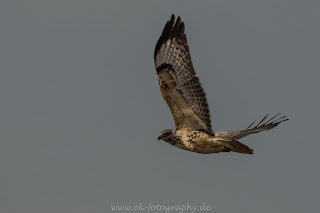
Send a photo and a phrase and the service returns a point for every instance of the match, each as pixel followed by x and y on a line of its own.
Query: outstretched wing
pixel 179 86
pixel 270 124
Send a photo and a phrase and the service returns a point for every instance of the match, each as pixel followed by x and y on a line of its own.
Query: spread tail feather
pixel 234 146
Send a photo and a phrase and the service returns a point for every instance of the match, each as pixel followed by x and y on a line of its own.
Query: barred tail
pixel 234 146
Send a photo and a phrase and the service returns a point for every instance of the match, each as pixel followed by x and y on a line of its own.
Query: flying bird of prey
pixel 187 101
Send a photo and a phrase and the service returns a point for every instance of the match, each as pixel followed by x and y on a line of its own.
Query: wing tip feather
pixel 271 121
pixel 171 30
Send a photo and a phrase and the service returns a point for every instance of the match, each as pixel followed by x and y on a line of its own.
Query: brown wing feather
pixel 182 113
pixel 172 51
pixel 270 124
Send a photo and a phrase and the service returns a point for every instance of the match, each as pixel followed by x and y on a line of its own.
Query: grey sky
pixel 81 109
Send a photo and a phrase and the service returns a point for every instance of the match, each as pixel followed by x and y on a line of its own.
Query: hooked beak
pixel 159 137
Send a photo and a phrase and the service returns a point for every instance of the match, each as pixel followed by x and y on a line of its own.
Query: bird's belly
pixel 202 149
pixel 206 149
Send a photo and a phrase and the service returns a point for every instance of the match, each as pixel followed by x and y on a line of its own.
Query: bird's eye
pixel 168 133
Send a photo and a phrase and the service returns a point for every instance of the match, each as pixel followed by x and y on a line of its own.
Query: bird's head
pixel 167 136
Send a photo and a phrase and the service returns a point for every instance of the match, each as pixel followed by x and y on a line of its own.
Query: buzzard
pixel 187 100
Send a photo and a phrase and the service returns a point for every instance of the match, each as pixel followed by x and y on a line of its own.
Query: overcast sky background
pixel 81 107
